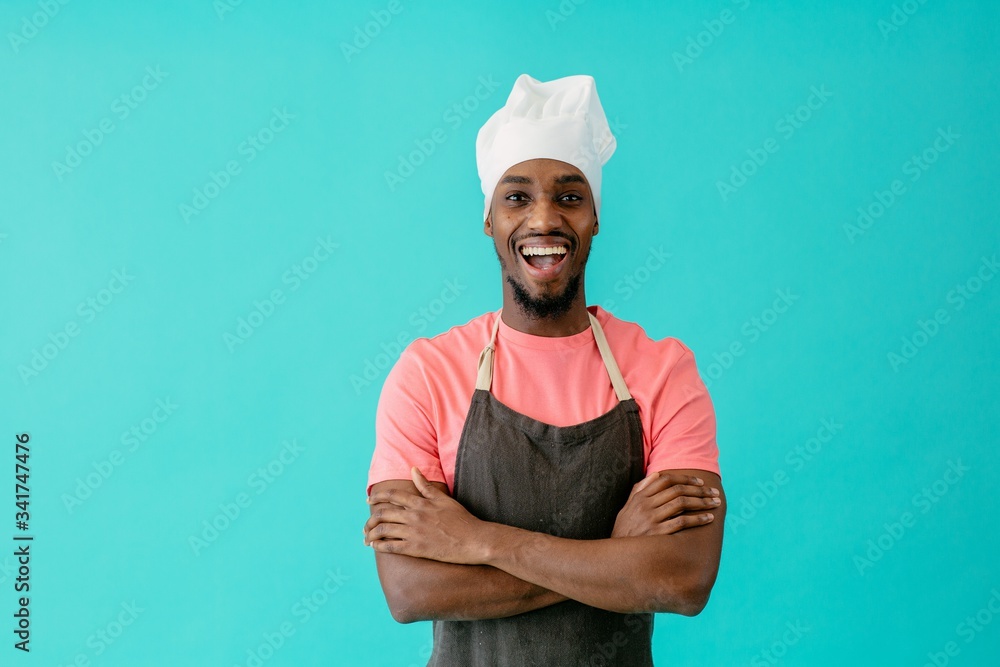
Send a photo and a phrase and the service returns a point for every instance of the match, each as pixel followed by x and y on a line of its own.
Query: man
pixel 541 506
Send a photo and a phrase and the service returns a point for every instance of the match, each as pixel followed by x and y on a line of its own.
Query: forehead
pixel 543 171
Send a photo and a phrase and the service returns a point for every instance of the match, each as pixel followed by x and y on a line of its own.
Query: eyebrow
pixel 560 180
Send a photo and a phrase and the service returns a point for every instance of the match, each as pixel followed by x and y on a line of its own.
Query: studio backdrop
pixel 222 221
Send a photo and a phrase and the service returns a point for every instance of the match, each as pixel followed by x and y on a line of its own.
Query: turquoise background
pixel 792 588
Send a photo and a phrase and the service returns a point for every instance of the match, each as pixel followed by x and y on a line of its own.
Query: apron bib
pixel 568 481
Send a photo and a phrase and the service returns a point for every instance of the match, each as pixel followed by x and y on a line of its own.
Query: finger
pixel 386 531
pixel 384 506
pixel 666 479
pixel 398 497
pixel 426 489
pixel 391 514
pixel 685 504
pixel 390 546
pixel 678 478
pixel 684 522
pixel 644 482
pixel 678 490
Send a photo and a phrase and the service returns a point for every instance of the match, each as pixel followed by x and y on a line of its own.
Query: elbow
pixel 686 596
pixel 405 603
pixel 406 598
pixel 693 601
pixel 403 616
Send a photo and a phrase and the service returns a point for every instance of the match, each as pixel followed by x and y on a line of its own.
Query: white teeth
pixel 528 251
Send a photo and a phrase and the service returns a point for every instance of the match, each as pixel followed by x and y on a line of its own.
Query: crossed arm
pixel 436 561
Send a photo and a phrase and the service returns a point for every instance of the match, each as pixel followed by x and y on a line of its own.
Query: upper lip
pixel 543 242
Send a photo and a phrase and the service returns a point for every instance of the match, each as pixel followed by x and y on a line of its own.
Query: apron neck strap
pixel 484 378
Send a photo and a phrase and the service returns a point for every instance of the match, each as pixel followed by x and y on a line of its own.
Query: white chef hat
pixel 560 119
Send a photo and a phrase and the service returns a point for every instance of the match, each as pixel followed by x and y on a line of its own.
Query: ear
pixel 596 227
pixel 488 223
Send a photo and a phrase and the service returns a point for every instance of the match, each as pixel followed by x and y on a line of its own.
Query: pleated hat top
pixel 560 119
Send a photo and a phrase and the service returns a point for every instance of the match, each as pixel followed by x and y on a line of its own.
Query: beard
pixel 547 306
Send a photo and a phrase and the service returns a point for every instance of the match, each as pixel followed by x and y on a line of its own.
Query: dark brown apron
pixel 568 481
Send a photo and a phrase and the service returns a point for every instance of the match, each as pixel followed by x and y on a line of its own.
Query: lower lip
pixel 550 273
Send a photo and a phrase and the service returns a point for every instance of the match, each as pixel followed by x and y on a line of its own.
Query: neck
pixel 573 321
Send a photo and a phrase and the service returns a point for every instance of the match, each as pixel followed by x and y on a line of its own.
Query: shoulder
pixel 637 346
pixel 453 343
pixel 427 357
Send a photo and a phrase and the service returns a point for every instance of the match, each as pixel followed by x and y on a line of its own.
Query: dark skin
pixel 438 562
pixel 543 200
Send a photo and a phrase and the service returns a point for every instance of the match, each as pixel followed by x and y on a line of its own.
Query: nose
pixel 545 216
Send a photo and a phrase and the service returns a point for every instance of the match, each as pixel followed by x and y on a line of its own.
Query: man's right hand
pixel 665 503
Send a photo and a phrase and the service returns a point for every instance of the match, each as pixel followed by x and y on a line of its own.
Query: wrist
pixel 490 543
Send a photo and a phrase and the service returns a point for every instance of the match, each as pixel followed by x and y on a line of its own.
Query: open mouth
pixel 544 261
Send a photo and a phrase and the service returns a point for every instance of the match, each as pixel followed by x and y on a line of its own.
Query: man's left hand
pixel 430 525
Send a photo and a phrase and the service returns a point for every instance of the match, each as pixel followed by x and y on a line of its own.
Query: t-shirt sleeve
pixel 683 433
pixel 405 435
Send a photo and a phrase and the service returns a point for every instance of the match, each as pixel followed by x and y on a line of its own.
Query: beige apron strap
pixel 617 381
pixel 485 377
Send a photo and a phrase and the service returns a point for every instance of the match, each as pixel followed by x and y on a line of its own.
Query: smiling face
pixel 542 220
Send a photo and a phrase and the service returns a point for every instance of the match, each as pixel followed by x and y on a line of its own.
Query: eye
pixel 516 196
pixel 571 196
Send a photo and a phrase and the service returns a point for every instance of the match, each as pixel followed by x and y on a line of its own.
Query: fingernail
pixel 697 480
pixel 715 492
pixel 707 517
pixel 715 501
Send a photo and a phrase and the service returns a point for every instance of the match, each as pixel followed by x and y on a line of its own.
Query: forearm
pixel 660 573
pixel 655 572
pixel 419 589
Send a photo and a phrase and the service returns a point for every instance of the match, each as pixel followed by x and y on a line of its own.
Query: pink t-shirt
pixel 560 381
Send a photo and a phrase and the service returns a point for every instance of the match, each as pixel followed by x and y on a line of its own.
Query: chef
pixel 545 477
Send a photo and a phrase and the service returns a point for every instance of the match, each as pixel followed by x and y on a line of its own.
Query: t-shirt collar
pixel 521 339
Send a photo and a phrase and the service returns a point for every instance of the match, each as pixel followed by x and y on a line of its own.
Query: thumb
pixel 423 486
pixel 644 482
